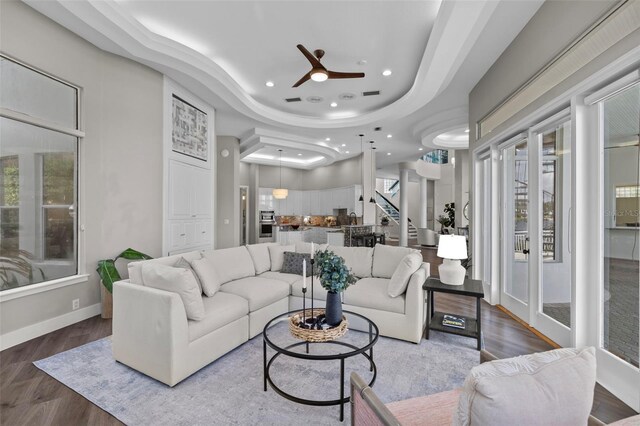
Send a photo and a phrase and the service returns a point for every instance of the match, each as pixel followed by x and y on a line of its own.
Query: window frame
pixel 80 276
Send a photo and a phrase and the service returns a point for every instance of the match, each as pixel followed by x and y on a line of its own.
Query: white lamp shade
pixel 452 247
pixel 280 193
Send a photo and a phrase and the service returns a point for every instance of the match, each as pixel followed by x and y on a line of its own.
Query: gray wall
pixel 120 201
pixel 228 193
pixel 554 27
pixel 336 175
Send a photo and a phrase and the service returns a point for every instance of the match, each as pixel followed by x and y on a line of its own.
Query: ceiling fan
pixel 318 71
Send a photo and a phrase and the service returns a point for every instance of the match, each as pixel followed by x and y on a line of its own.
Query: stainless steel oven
pixel 267 216
pixel 266 230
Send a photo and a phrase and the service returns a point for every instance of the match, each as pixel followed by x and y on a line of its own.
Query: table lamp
pixel 452 248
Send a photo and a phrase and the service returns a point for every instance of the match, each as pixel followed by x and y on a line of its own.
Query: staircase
pixel 391 211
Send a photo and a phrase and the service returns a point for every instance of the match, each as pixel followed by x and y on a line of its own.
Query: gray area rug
pixel 230 390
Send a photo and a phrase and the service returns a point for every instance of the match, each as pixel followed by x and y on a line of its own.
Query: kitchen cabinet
pixel 314 202
pixel 335 238
pixel 320 202
pixel 265 199
pixel 189 191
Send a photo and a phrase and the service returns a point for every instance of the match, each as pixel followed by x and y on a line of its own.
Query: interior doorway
pixel 244 215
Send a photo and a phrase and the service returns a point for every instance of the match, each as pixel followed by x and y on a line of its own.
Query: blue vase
pixel 333 310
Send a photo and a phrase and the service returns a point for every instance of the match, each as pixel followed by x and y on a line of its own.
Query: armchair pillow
pixel 400 278
pixel 231 263
pixel 292 263
pixel 553 387
pixel 387 258
pixel 176 280
pixel 277 256
pixel 358 259
pixel 184 263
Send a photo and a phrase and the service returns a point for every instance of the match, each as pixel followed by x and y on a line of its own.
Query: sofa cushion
pixel 176 280
pixel 231 263
pixel 553 387
pixel 219 310
pixel 373 293
pixel 258 291
pixel 208 275
pixel 400 278
pixel 358 259
pixel 135 268
pixel 387 258
pixel 302 247
pixel 184 263
pixel 287 278
pixel 276 253
pixel 292 263
pixel 319 293
pixel 260 256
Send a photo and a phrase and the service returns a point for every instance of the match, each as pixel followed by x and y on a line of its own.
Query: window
pixel 437 156
pixel 38 177
pixel 389 185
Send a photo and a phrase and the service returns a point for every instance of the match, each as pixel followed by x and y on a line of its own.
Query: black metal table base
pixel 322 403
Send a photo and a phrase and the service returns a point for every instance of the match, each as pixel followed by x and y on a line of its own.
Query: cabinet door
pixel 314 202
pixel 201 194
pixel 178 236
pixel 203 232
pixel 179 190
pixel 292 201
pixel 304 209
pixel 327 201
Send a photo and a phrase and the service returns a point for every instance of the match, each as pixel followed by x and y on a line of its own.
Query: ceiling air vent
pixel 371 93
pixel 347 96
pixel 315 99
pixel 377 129
pixel 292 99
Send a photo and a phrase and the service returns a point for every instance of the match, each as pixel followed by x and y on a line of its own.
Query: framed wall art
pixel 189 133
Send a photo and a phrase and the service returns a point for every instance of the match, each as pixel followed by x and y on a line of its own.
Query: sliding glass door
pixel 514 294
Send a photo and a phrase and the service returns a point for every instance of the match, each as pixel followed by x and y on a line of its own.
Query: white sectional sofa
pixel 151 332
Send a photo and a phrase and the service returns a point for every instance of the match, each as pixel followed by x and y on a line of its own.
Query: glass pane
pixel 517 217
pixel 37 217
pixel 29 92
pixel 621 233
pixel 556 214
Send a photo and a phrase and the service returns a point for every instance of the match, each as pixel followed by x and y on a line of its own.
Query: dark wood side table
pixel 471 288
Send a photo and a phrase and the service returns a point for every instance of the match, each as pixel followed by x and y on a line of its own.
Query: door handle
pixel 525 251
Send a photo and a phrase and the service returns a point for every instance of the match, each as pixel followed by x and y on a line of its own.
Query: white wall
pixel 336 175
pixel 120 157
pixel 443 193
pixel 228 193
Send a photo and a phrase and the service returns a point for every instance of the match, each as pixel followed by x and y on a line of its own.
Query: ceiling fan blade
pixel 304 78
pixel 315 63
pixel 333 74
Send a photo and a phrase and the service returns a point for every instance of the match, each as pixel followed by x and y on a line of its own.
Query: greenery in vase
pixel 334 275
pixel 107 268
pixel 448 220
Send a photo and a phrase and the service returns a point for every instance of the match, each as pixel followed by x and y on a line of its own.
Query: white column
pixel 422 220
pixel 404 208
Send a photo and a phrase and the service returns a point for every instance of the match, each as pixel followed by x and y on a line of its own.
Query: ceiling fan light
pixel 319 75
pixel 280 193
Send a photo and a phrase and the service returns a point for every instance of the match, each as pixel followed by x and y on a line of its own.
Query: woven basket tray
pixel 316 336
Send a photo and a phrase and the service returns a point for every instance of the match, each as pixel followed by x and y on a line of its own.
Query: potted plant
pixel 335 277
pixel 447 220
pixel 109 274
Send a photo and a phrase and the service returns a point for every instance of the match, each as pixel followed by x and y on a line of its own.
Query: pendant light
pixel 361 167
pixel 373 178
pixel 280 193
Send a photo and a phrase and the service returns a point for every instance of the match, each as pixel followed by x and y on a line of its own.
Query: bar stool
pixel 380 238
pixel 369 240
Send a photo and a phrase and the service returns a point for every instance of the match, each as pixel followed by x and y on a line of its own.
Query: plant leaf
pixel 108 273
pixel 131 254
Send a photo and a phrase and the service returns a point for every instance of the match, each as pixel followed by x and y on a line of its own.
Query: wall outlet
pixel 75 304
pixel 226 221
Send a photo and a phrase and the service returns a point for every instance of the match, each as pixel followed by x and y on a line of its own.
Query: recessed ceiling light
pixel 362 62
pixel 334 104
pixel 299 155
pixel 388 153
pixel 420 149
pixel 344 144
pixel 466 131
pixel 386 73
pixel 346 152
pixel 269 84
pixel 327 139
pixel 389 136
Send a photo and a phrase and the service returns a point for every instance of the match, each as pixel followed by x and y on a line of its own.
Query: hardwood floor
pixel 30 397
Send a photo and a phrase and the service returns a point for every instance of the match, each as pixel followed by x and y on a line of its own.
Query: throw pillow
pixel 184 263
pixel 387 258
pixel 206 271
pixel 400 278
pixel 176 280
pixel 260 255
pixel 292 263
pixel 553 387
pixel 277 256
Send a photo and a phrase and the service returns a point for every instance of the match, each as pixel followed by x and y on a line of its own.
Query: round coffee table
pixel 351 344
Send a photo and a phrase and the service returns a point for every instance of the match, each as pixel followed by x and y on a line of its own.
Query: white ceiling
pixel 225 51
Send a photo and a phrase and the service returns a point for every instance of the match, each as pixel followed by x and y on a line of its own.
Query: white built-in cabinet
pixel 315 202
pixel 189 206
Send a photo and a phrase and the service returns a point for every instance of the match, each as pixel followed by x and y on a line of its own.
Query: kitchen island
pixel 286 234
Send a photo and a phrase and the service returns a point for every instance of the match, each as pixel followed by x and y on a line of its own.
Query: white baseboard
pixel 21 335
